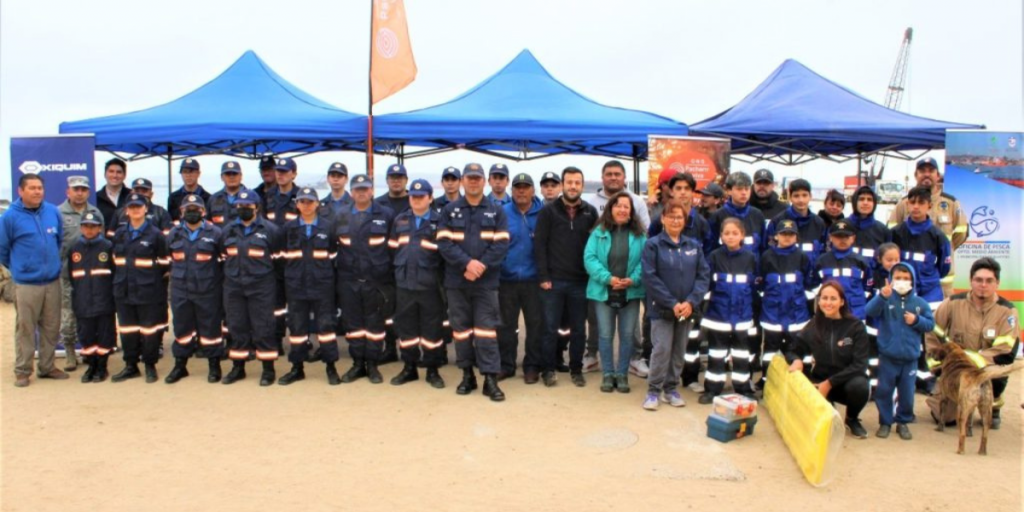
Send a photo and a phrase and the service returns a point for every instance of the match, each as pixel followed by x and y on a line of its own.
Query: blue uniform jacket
pixel 927 248
pixel 250 253
pixel 196 260
pixel 140 265
pixel 91 268
pixel 418 263
pixel 363 252
pixel 733 275
pixel 309 259
pixel 470 232
pixel 787 284
pixel 753 223
pixel 852 272
pixel 811 232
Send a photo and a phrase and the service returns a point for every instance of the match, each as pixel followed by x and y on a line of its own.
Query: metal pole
pixel 636 170
pixel 369 119
pixel 170 171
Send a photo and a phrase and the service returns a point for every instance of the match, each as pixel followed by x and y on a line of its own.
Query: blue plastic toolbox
pixel 724 430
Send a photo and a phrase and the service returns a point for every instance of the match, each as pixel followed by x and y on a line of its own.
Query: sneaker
pixel 639 368
pixel 856 429
pixel 622 383
pixel 883 431
pixel 590 364
pixel 673 398
pixel 651 402
pixel 904 431
pixel 695 387
pixel 607 383
pixel 578 380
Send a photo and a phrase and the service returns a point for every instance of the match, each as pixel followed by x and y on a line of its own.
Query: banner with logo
pixel 703 157
pixel 985 171
pixel 54 159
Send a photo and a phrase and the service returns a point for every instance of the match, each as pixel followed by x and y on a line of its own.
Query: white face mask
pixel 902 287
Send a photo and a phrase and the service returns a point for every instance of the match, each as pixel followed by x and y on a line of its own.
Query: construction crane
pixel 893 98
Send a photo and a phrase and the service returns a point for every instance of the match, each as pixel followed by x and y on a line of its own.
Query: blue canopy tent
pixel 796 115
pixel 523 113
pixel 246 111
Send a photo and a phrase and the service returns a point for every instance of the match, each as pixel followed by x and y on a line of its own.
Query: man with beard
pixel 765 198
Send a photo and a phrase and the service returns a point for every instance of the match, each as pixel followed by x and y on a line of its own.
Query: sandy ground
pixel 197 446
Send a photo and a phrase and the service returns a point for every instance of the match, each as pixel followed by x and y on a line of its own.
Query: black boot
pixel 408 374
pixel 268 375
pixel 100 373
pixel 296 374
pixel 332 375
pixel 130 371
pixel 214 376
pixel 491 388
pixel 468 383
pixel 151 376
pixel 373 373
pixel 434 378
pixel 236 374
pixel 179 371
pixel 355 373
pixel 90 368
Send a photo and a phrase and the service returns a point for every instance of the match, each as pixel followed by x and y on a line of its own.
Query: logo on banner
pixel 983 221
pixel 32 166
pixel 387 43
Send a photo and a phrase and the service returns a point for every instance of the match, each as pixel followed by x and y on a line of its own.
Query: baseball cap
pixel 787 226
pixel 714 190
pixel 500 169
pixel 267 162
pixel 361 181
pixel 763 175
pixel 451 172
pixel 338 167
pixel 230 167
pixel 285 164
pixel 307 193
pixel 927 161
pixel 189 163
pixel 91 218
pixel 136 200
pixel 193 200
pixel 522 179
pixel 397 170
pixel 841 227
pixel 666 176
pixel 421 187
pixel 142 183
pixel 550 176
pixel 247 197
pixel 473 170
pixel 78 181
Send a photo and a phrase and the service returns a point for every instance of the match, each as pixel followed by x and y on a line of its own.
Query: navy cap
pixel 713 189
pixel 193 200
pixel 247 197
pixel 397 170
pixel 787 226
pixel 91 218
pixel 285 164
pixel 268 162
pixel 338 167
pixel 307 193
pixel 361 181
pixel 522 179
pixel 78 181
pixel 927 161
pixel 452 172
pixel 473 170
pixel 189 164
pixel 421 187
pixel 550 176
pixel 500 169
pixel 763 175
pixel 841 227
pixel 142 183
pixel 136 200
pixel 230 167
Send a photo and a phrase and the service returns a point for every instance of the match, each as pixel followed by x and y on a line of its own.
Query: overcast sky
pixel 62 60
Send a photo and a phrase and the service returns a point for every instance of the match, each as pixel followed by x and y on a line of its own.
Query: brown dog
pixel 969 387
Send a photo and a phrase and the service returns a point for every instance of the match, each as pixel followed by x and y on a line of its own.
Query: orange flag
pixel 392 66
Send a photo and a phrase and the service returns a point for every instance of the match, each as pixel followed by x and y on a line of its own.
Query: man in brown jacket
pixel 984 324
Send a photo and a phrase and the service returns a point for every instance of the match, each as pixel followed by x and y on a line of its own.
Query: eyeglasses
pixel 675 218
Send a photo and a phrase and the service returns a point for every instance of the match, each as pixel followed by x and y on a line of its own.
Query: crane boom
pixel 894 95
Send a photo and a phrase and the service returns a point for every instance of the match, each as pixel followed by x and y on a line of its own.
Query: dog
pixel 970 388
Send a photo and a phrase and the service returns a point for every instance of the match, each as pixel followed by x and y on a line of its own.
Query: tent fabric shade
pixel 798 112
pixel 246 111
pixel 523 109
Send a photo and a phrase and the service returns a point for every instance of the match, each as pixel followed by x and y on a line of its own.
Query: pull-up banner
pixel 703 157
pixel 54 159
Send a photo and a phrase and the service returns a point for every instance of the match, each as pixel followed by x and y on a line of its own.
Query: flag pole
pixel 369 118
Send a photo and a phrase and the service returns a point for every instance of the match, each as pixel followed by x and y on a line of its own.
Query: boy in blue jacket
pixel 903 318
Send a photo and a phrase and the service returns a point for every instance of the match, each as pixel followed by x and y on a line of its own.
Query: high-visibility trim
pixel 691 358
pixel 266 355
pixel 809 294
pixel 292 255
pixel 873 383
pixel 976 358
pixel 767 356
pixel 742 354
pixel 344 240
pixel 446 323
pixel 873 361
pixel 256 252
pixel 428 245
pixel 694 334
pixel 939 331
pixel 290 216
pixel 408 343
pixel 443 233
pixel 326 337
pixel 100 351
pixel 90 350
pixel 1003 340
pixel 281 312
pixel 487 235
pixel 431 345
pixel 389 321
pixel 210 341
pixel 100 272
pixel 375 336
pixel 147 331
pixel 485 333
pixel 960 229
pixel 238 354
pixel 163 261
pixel 77 274
pixel 808 359
pixel 127 329
pixel 203 257
pixel 924 375
pixel 718 353
pixel 714 377
pixel 355 334
pixel 932 363
pixel 298 340
pixel 393 244
pixel 178 255
pixel 218 219
pixel 715 325
pixel 271 215
pixel 947 279
pixel 143 262
pixel 739 377
pixel 462 335
pixel 935 305
pixel 231 251
pixel 501 235
pixel 731 278
pixel 871 330
pixel 564 332
pixel 186 339
pixel 224 329
pixel 376 240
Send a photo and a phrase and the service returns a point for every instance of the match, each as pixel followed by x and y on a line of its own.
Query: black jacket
pixel 839 348
pixel 91 268
pixel 770 206
pixel 109 209
pixel 558 243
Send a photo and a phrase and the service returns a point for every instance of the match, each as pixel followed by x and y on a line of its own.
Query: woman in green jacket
pixel 612 259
